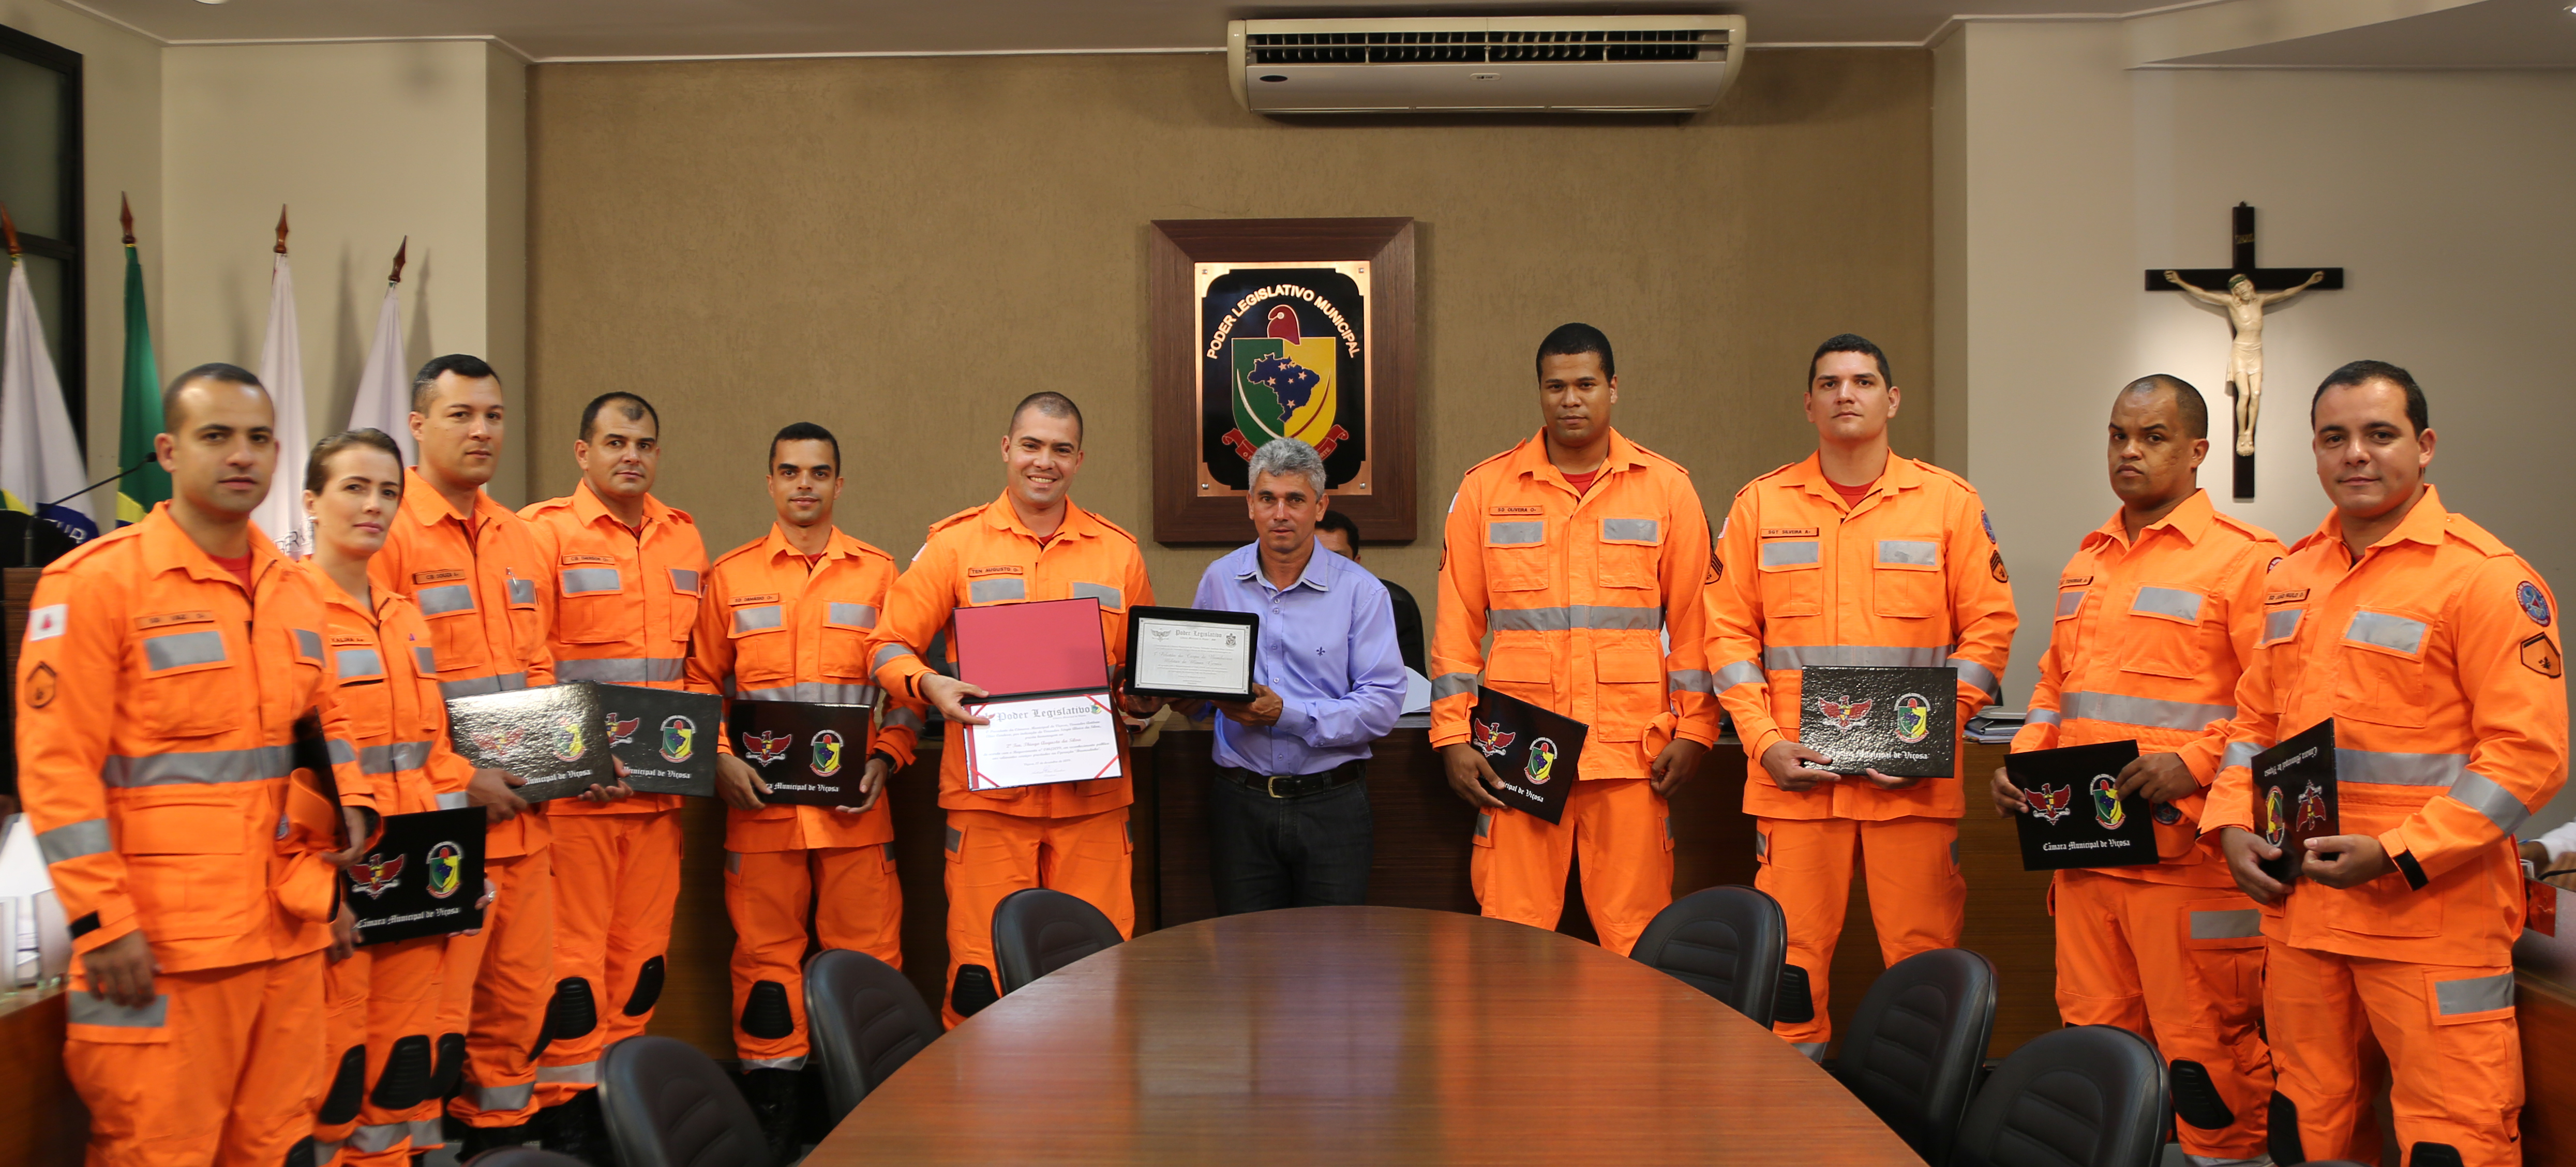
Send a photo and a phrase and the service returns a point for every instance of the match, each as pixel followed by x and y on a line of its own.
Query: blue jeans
pixel 1302 852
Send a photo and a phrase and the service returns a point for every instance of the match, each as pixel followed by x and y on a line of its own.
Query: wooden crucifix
pixel 2249 289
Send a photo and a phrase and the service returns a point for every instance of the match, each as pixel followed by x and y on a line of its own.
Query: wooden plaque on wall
pixel 1269 328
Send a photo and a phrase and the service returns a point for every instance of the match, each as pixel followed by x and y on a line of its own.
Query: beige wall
pixel 367 143
pixel 899 249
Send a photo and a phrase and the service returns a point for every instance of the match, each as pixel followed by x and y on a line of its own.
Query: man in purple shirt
pixel 1288 816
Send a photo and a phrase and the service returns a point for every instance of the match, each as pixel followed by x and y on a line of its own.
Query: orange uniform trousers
pixel 991 855
pixel 617 877
pixel 1622 830
pixel 373 1111
pixel 1917 902
pixel 222 1068
pixel 507 970
pixel 2450 1039
pixel 852 900
pixel 2181 966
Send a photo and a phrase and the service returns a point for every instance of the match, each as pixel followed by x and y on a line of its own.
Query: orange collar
pixel 2429 523
pixel 1002 516
pixel 168 548
pixel 1529 458
pixel 840 545
pixel 2190 520
pixel 427 507
pixel 586 506
pixel 1902 473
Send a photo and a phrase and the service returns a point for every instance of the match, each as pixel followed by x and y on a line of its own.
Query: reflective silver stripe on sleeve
pixel 2232 924
pixel 2069 602
pixel 179 649
pixel 523 591
pixel 2281 625
pixel 2174 602
pixel 360 662
pixel 443 599
pixel 205 768
pixel 1579 616
pixel 1789 552
pixel 1807 656
pixel 393 758
pixel 1909 551
pixel 2474 995
pixel 794 1063
pixel 853 615
pixel 423 659
pixel 1515 534
pixel 2389 769
pixel 684 580
pixel 495 1098
pixel 813 693
pixel 2386 631
pixel 2043 717
pixel 1743 672
pixel 342 753
pixel 73 840
pixel 582 581
pixel 1452 684
pixel 426 1132
pixel 905 718
pixel 2488 797
pixel 887 655
pixel 478 686
pixel 1689 681
pixel 996 591
pixel 757 617
pixel 89 1010
pixel 1630 530
pixel 309 643
pixel 625 670
pixel 1108 596
pixel 1976 674
pixel 376 1139
pixel 454 801
pixel 2238 754
pixel 585 1072
pixel 2146 711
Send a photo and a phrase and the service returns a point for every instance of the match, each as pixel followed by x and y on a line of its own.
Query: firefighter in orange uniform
pixel 1854 556
pixel 624 572
pixel 2157 614
pixel 807 641
pixel 1580 551
pixel 378 1109
pixel 2435 651
pixel 474 571
pixel 166 668
pixel 1030 544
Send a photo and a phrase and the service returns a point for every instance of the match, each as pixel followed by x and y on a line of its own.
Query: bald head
pixel 2189 410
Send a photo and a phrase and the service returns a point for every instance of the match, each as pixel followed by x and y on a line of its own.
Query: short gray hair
pixel 1285 456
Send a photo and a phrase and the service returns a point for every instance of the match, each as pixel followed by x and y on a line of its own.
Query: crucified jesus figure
pixel 2244 357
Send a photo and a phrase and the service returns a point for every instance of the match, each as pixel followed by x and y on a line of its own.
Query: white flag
pixel 281 365
pixel 40 459
pixel 384 386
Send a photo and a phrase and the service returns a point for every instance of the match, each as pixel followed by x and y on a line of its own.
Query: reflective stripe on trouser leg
pixel 2454 1056
pixel 1807 866
pixel 1616 826
pixel 511 987
pixel 231 1079
pixel 403 998
pixel 1085 856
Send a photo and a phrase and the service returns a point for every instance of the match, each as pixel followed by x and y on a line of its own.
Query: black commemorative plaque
pixel 551 737
pixel 809 755
pixel 2295 798
pixel 666 737
pixel 1902 722
pixel 2077 817
pixel 1537 752
pixel 422 878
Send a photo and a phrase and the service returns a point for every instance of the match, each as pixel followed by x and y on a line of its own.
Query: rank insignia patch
pixel 2538 655
pixel 41 684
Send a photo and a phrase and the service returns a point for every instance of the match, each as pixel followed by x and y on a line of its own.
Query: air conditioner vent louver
pixel 1603 63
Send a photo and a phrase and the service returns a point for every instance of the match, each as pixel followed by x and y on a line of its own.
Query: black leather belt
pixel 1296 785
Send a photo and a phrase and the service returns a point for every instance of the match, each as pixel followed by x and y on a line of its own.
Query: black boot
pixel 477 1139
pixel 576 1128
pixel 773 1098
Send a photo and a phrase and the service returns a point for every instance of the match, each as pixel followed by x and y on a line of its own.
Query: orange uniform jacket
pixel 2437 656
pixel 2149 640
pixel 785 631
pixel 156 738
pixel 1575 589
pixel 383 670
pixel 625 602
pixel 481 593
pixel 1908 577
pixel 986 556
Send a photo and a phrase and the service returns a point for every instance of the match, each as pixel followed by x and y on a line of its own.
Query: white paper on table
pixel 1042 740
pixel 1417 692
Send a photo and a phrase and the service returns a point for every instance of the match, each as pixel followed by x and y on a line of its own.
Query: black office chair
pixel 523 1157
pixel 865 1021
pixel 1912 1052
pixel 2087 1096
pixel 670 1106
pixel 1727 942
pixel 1038 930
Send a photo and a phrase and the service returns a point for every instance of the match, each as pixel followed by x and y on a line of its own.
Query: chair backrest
pixel 2089 1096
pixel 1914 1045
pixel 668 1105
pixel 1727 942
pixel 865 1021
pixel 1038 930
pixel 524 1157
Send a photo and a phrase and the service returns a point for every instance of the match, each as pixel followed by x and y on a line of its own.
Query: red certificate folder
pixel 1023 650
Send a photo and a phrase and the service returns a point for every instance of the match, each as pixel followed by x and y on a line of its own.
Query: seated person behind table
pixel 1288 816
pixel 1338 533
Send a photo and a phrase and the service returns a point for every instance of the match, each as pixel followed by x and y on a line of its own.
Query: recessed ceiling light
pixel 210 1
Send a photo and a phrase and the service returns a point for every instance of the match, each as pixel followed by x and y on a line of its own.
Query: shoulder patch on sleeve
pixel 1995 566
pixel 2542 657
pixel 2527 595
pixel 47 622
pixel 41 685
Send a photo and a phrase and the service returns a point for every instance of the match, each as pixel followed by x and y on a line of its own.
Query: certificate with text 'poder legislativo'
pixel 1033 741
pixel 1045 666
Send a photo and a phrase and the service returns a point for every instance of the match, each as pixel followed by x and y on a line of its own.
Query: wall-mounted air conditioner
pixel 1596 64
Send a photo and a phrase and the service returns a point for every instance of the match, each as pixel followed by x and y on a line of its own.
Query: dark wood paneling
pixel 2546 1013
pixel 42 1122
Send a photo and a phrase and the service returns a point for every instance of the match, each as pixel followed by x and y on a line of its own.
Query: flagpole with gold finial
pixel 399 253
pixel 281 228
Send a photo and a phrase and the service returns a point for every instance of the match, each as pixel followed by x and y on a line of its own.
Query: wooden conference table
pixel 1359 1035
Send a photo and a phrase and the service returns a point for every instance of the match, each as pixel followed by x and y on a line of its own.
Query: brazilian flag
pixel 137 492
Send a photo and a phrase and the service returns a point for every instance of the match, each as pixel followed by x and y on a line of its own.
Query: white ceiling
pixel 2496 34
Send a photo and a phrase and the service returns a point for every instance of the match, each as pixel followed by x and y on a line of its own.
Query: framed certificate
pixel 1186 652
pixel 1034 741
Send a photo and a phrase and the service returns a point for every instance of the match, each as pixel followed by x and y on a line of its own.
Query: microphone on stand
pixel 28 550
